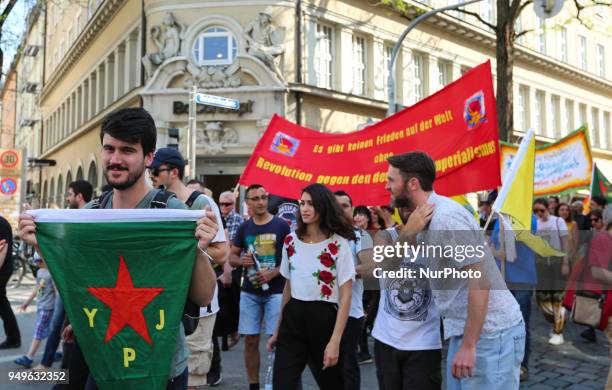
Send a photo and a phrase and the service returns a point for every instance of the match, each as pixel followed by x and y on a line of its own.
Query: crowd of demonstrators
pixel 11 329
pixel 361 249
pixel 564 212
pixel 257 248
pixel 319 268
pixel 552 271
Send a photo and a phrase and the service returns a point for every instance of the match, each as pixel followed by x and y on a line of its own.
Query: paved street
pixel 574 365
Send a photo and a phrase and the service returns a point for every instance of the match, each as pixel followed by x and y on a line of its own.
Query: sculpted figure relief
pixel 264 41
pixel 167 38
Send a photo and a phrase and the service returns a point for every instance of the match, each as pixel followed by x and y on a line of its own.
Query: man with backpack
pixel 167 169
pixel 128 137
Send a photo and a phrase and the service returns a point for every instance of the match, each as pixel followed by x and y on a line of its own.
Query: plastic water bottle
pixel 256 267
pixel 269 372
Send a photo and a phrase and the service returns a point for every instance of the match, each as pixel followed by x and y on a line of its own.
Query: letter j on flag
pixel 123 276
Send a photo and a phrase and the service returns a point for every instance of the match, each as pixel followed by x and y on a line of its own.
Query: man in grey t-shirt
pixel 477 312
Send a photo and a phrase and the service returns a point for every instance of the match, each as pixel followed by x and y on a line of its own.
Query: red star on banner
pixel 126 303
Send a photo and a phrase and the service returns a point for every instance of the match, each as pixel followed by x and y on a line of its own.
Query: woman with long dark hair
pixel 318 265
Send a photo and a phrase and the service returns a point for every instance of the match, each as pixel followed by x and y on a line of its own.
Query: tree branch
pixel 477 16
pixel 517 36
pixel 7 11
pixel 523 6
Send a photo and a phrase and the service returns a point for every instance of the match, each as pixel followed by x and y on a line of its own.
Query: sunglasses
pixel 226 204
pixel 258 198
pixel 539 211
pixel 157 171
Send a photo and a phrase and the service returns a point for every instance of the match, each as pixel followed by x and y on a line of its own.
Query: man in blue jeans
pixel 521 278
pixel 260 238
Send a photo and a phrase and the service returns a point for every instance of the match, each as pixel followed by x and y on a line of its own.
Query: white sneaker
pixel 556 339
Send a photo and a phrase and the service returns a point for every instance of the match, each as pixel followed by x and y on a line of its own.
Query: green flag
pixel 123 276
pixel 600 185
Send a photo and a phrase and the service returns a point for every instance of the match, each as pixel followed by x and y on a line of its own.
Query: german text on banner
pixel 565 165
pixel 457 126
pixel 123 277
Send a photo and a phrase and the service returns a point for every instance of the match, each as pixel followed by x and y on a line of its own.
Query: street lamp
pixel 391 79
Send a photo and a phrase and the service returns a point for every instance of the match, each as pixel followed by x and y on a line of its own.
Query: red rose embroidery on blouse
pixel 326 277
pixel 333 248
pixel 325 291
pixel 290 250
pixel 326 259
pixel 288 239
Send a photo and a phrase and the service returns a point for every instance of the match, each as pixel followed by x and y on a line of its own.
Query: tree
pixel 508 11
pixel 8 7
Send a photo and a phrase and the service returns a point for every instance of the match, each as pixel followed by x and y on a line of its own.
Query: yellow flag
pixel 463 201
pixel 535 243
pixel 517 192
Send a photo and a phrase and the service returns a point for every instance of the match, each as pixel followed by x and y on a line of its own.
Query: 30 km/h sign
pixel 217 101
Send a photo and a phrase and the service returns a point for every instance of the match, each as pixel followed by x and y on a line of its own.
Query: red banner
pixel 457 126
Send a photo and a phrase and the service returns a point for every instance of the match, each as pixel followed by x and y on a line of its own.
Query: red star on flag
pixel 126 303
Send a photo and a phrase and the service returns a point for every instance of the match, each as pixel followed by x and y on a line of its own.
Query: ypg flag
pixel 123 276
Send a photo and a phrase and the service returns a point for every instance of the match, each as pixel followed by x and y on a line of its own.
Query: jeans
pixel 6 312
pixel 254 308
pixel 54 337
pixel 407 370
pixel 498 360
pixel 523 297
pixel 350 365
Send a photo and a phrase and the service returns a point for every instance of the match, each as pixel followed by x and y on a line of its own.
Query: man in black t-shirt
pixel 262 291
pixel 13 337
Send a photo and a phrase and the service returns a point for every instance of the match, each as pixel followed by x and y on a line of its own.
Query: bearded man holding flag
pixel 125 274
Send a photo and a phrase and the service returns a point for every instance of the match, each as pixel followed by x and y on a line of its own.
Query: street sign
pixel 8 186
pixel 217 101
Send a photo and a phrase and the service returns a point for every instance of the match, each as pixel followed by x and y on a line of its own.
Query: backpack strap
pixel 192 198
pixel 160 199
pixel 101 201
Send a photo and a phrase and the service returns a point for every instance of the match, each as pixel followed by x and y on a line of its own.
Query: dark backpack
pixel 191 311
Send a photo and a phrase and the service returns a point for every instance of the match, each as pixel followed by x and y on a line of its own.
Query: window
pixel 555 108
pixel 359 65
pixel 562 50
pixel 607 143
pixel 568 119
pixel 539 113
pixel 523 103
pixel 518 28
pixel 417 67
pixel 387 51
pixel 582 115
pixel 582 52
pixel 445 69
pixel 323 56
pixel 595 127
pixel 541 36
pixel 601 61
pixel 457 14
pixel 215 46
pixel 486 10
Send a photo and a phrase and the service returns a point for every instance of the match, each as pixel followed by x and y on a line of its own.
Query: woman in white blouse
pixel 318 265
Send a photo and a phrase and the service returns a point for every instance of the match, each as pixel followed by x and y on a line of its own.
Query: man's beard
pixel 402 201
pixel 73 205
pixel 132 178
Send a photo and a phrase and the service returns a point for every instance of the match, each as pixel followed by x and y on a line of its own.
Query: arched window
pixel 214 46
pixel 51 192
pixel 79 175
pixel 59 195
pixel 92 175
pixel 68 181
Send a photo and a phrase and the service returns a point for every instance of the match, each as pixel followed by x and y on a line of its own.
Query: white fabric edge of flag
pixel 114 215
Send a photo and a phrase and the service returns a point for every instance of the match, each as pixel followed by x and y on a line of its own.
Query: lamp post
pixel 391 79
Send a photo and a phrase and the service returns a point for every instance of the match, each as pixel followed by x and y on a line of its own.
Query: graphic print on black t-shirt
pixel 408 299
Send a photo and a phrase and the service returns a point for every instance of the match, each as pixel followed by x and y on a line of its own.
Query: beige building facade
pixel 322 65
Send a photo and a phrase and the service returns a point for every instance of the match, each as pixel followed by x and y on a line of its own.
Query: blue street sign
pixel 217 101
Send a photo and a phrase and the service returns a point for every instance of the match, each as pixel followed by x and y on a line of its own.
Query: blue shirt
pixel 523 269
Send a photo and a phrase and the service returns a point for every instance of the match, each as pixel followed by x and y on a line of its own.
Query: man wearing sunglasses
pixel 167 169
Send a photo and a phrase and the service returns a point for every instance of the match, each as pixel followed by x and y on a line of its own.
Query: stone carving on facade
pixel 210 77
pixel 167 37
pixel 215 138
pixel 265 41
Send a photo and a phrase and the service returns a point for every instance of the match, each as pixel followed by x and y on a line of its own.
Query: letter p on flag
pixel 129 355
